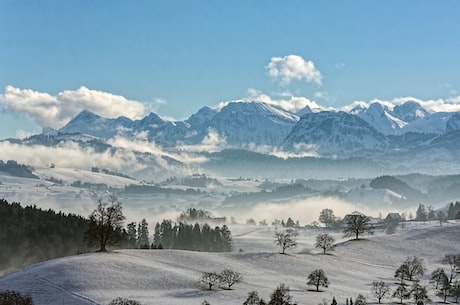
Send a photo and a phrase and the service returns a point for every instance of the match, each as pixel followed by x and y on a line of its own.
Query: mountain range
pixel 405 135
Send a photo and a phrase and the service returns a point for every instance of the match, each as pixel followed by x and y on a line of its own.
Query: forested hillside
pixel 29 235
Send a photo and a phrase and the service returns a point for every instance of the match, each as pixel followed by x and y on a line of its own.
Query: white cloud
pixel 293 67
pixel 55 111
pixel 293 103
pixel 438 105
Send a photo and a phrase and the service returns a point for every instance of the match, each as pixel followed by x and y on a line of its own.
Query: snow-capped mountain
pixel 379 116
pixel 403 135
pixel 253 123
pixel 239 123
pixel 331 132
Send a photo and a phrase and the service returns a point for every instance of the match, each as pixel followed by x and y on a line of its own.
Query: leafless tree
pixel 286 240
pixel 106 223
pixel 230 277
pixel 380 290
pixel 324 241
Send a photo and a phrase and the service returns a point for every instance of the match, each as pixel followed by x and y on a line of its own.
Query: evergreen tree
pixel 254 299
pixel 437 276
pixel 157 237
pixel 422 213
pixel 132 234
pixel 334 301
pixel 226 237
pixel 143 235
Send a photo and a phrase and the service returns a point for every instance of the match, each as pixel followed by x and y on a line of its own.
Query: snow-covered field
pixel 172 276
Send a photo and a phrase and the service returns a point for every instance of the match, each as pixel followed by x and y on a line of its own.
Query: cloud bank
pixel 293 67
pixel 56 110
pixel 438 105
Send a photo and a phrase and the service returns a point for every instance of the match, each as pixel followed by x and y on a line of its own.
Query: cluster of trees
pixel 15 169
pixel 409 286
pixel 280 295
pixel 169 235
pixel 138 238
pixel 453 210
pixel 106 228
pixel 96 169
pixel 29 235
pixel 227 277
pixel 155 189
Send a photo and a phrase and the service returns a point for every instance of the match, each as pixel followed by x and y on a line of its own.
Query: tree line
pixel 29 235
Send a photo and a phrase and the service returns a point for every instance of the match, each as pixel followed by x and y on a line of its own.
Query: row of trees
pixel 227 277
pixel 192 237
pixel 106 228
pixel 357 224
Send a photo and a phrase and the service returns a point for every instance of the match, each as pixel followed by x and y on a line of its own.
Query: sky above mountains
pixel 173 57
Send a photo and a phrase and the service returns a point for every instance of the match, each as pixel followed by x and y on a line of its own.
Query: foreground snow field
pixel 171 276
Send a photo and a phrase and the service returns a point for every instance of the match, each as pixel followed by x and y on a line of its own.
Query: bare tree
pixel 358 224
pixel 230 277
pixel 317 278
pixel 379 289
pixel 286 239
pixel 453 260
pixel 106 223
pixel 324 241
pixel 210 279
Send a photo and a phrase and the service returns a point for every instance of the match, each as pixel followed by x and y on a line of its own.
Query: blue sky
pixel 174 57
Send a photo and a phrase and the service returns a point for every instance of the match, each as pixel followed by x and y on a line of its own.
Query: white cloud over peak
pixel 56 110
pixel 438 105
pixel 293 67
pixel 292 103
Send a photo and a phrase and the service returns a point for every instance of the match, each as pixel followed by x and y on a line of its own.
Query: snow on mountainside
pixel 171 276
pixel 241 123
pixel 253 123
pixel 378 116
pixel 335 133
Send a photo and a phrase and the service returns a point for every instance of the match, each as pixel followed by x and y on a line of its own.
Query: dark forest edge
pixel 30 234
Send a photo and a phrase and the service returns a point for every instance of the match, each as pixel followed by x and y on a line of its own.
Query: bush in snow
pixel 123 301
pixel 14 298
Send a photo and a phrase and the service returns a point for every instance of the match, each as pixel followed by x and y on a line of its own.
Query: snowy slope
pixel 171 276
pixel 335 133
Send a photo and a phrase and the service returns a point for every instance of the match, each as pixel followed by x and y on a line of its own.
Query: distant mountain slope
pixel 335 133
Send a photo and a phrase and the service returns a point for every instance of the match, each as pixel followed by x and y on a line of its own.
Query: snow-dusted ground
pixel 171 276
